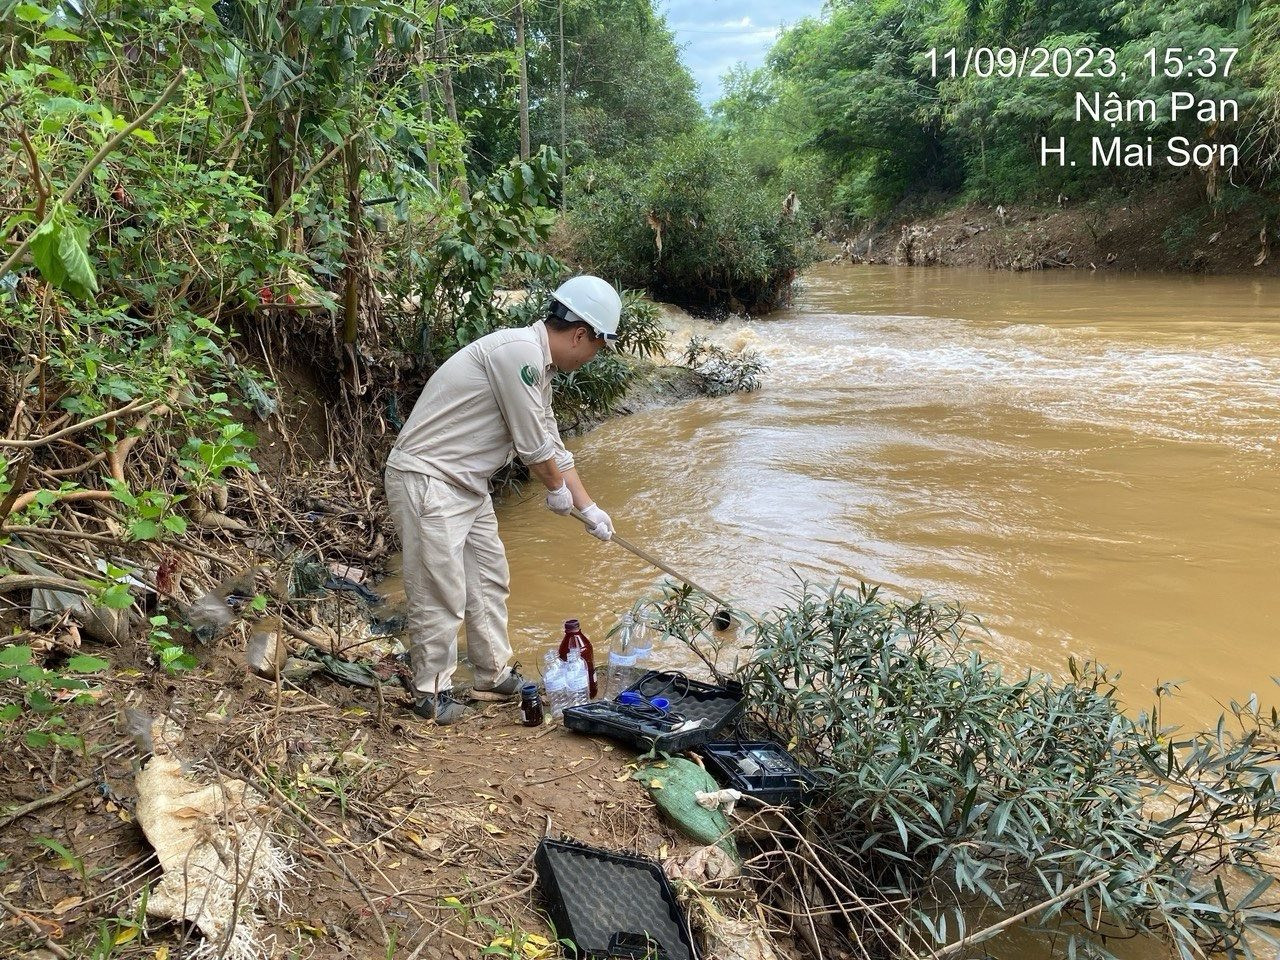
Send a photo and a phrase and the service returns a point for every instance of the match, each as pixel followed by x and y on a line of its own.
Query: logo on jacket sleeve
pixel 529 374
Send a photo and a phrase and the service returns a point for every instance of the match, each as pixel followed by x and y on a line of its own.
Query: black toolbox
pixel 691 701
pixel 610 905
pixel 761 769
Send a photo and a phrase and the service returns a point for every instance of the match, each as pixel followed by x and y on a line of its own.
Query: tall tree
pixel 626 87
pixel 522 59
pixel 446 73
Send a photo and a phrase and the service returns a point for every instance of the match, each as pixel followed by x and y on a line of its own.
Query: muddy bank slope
pixel 1170 228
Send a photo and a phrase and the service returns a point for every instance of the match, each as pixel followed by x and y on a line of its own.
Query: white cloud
pixel 716 34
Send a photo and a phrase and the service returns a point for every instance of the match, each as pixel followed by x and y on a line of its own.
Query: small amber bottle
pixel 530 705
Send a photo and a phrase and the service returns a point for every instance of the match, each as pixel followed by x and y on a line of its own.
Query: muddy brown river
pixel 1090 463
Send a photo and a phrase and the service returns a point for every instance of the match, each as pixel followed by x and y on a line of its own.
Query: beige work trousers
pixel 454 569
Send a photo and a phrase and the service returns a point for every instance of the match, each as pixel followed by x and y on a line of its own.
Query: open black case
pixel 610 905
pixel 760 769
pixel 710 708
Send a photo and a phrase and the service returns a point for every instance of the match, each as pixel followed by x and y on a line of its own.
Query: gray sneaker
pixel 440 707
pixel 508 689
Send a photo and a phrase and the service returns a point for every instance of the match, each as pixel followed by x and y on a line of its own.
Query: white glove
pixel 560 500
pixel 598 522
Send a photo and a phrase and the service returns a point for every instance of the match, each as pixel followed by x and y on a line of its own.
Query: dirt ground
pixel 377 809
pixel 405 839
pixel 1170 228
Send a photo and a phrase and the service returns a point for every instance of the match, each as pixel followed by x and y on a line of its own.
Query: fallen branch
pixel 305 638
pixel 16 582
pixel 69 535
pixel 53 948
pixel 42 802
pixel 1019 917
pixel 61 472
pixel 29 498
pixel 82 425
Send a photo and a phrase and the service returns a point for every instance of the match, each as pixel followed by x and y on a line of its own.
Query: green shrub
pixel 593 390
pixel 960 788
pixel 32 698
pixel 641 330
pixel 692 225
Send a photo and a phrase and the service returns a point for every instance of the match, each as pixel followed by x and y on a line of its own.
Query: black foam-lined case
pixel 610 905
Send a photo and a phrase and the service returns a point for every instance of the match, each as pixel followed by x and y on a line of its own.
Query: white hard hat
pixel 592 300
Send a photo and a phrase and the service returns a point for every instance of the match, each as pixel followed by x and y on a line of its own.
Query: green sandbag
pixel 674 785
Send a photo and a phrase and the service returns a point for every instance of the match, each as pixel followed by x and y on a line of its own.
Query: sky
pixel 716 34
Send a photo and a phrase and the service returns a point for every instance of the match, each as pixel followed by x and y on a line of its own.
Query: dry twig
pixel 41 802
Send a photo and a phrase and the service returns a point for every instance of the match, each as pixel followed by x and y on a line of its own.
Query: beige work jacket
pixel 489 402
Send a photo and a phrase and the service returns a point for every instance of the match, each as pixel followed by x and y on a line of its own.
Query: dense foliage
pixel 955 795
pixel 858 90
pixel 948 777
pixel 693 223
pixel 185 175
pixel 625 87
pixel 200 195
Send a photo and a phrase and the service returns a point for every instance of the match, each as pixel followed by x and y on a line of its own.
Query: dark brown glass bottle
pixel 574 637
pixel 531 713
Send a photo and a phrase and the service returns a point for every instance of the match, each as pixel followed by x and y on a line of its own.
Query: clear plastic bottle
pixel 621 659
pixel 622 671
pixel 579 685
pixel 554 681
pixel 578 681
pixel 641 650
